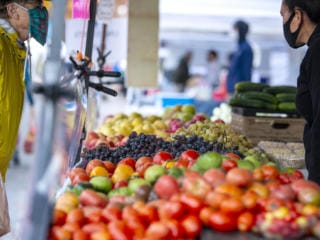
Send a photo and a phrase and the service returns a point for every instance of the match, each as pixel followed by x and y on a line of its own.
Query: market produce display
pixel 262 96
pixel 201 176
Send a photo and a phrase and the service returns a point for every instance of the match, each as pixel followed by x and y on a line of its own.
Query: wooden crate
pixel 269 128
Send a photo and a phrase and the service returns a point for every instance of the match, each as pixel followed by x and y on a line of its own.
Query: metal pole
pixel 39 207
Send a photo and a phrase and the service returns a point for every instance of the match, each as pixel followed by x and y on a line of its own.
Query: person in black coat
pixel 182 74
pixel 301 26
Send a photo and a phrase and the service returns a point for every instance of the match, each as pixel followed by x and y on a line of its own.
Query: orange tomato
pixel 258 174
pixel 92 164
pixel 102 235
pixel 111 213
pixel 230 190
pixel 246 221
pixel 76 216
pixel 158 230
pixel 249 200
pixel 118 230
pixel 60 233
pixel 205 214
pixel 71 227
pixel 260 189
pixel 58 217
pixel 214 199
pixel 94 227
pixel 176 228
pixel 232 206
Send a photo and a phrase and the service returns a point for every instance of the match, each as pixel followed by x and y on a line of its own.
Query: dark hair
pixel 311 7
pixel 213 53
pixel 243 28
pixel 4 3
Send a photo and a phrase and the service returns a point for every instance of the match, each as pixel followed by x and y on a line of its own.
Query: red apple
pixel 215 177
pixel 166 186
pixel 161 157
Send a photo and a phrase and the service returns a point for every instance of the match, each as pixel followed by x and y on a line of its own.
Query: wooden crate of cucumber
pixel 278 104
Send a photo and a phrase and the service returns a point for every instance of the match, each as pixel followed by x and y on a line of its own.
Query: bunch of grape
pixel 215 132
pixel 148 145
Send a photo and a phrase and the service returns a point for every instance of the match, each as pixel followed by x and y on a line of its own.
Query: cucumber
pixel 266 97
pixel 249 86
pixel 242 102
pixel 287 106
pixel 280 89
pixel 286 97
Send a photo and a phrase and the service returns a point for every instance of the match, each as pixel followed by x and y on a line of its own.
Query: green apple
pixel 135 183
pixel 209 160
pixel 101 183
pixel 154 172
pixel 256 163
pixel 176 172
pixel 121 191
pixel 184 116
pixel 245 165
pixel 188 108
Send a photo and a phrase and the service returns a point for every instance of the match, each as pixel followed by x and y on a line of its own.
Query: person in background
pixel 182 74
pixel 212 69
pixel 301 27
pixel 19 20
pixel 242 60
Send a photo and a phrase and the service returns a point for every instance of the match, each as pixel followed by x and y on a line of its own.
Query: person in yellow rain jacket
pixel 19 20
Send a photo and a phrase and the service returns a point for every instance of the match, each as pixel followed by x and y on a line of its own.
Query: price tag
pixel 105 11
pixel 80 9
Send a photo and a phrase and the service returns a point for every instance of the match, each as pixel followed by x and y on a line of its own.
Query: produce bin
pixel 269 128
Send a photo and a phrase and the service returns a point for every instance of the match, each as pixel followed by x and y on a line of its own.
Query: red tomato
pixel 182 163
pixel 175 227
pixel 76 216
pixel 192 226
pixel 233 156
pixel 81 177
pixel 128 161
pixel 297 173
pixel 93 214
pixel 118 230
pixel 239 177
pixel 76 171
pixel 246 221
pixel 192 204
pixel 232 206
pixel 171 210
pixel 215 177
pixel 158 230
pixel 148 213
pixel 142 161
pixel 161 157
pixel 121 183
pixel 89 197
pixel 80 235
pixel 223 222
pixel 190 155
pixel 109 166
pixel 130 214
pixel 258 174
pixel 228 164
pixel 58 217
pixel 205 214
pixel 102 235
pixel 92 164
pixel 284 178
pixel 111 213
pixel 270 172
pixel 94 227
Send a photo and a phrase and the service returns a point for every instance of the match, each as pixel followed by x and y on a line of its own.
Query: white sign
pixel 105 10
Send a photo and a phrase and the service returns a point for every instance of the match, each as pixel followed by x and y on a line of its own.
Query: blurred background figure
pixel 242 59
pixel 213 69
pixel 181 74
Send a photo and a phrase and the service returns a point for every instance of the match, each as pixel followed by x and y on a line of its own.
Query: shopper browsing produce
pixel 19 20
pixel 300 25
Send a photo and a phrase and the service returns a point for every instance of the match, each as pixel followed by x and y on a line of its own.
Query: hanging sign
pixel 105 10
pixel 80 9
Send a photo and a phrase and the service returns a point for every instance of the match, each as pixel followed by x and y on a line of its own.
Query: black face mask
pixel 289 36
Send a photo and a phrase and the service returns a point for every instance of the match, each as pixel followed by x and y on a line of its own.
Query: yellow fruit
pixel 159 124
pixel 122 172
pixel 136 122
pixel 99 171
pixel 147 128
pixel 169 164
pixel 67 202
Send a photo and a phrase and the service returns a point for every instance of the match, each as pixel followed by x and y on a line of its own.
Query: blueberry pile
pixel 148 145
